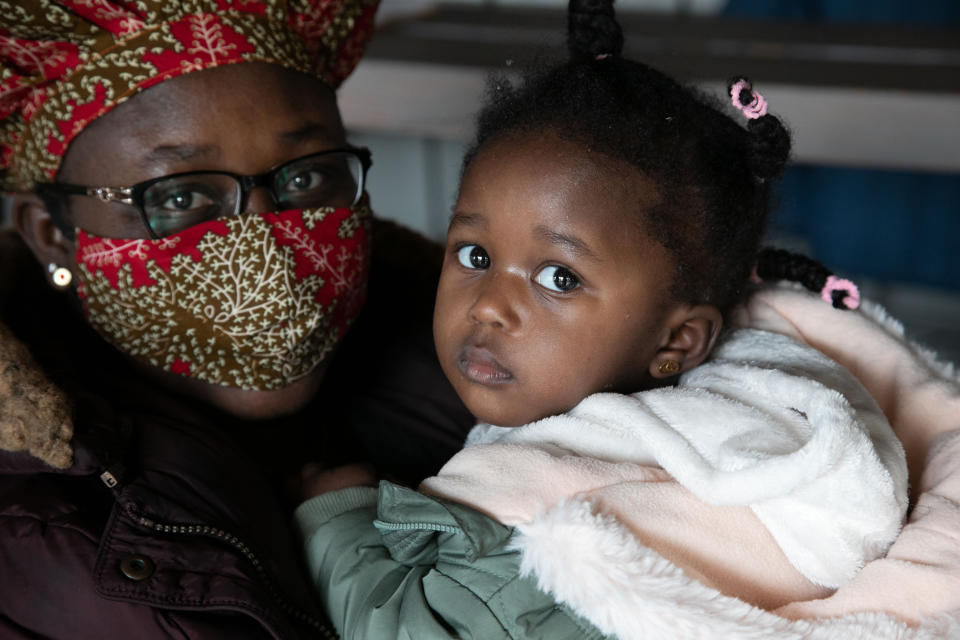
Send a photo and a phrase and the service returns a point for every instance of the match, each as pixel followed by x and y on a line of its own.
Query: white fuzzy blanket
pixel 600 538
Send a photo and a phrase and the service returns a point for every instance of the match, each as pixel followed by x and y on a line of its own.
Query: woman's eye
pixel 186 201
pixel 473 256
pixel 556 278
pixel 304 181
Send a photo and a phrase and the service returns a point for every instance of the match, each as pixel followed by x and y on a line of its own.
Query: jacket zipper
pixel 232 540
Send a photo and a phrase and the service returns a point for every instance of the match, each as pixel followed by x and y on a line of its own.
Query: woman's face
pixel 242 118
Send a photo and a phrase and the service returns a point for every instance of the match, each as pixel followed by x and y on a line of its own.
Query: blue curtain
pixel 916 12
pixel 890 225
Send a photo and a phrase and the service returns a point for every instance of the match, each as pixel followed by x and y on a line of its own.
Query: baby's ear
pixel 694 331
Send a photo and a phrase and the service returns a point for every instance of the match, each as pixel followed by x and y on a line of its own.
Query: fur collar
pixel 35 415
pixel 595 565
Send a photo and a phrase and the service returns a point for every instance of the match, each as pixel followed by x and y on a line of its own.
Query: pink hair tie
pixel 851 298
pixel 602 56
pixel 754 109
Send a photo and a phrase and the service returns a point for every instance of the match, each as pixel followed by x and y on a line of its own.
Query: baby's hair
pixel 713 174
pixel 778 264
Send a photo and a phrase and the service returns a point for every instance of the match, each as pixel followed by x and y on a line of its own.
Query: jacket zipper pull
pixel 112 476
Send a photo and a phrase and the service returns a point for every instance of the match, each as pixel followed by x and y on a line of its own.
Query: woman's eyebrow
pixel 310 131
pixel 165 154
pixel 568 241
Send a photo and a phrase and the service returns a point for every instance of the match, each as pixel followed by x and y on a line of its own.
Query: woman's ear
pixel 693 334
pixel 35 224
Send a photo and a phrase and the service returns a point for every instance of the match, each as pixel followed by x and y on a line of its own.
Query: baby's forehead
pixel 545 156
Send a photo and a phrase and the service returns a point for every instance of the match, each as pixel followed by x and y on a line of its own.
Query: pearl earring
pixel 61 276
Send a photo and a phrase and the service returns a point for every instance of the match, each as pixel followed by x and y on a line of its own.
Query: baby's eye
pixel 557 278
pixel 473 256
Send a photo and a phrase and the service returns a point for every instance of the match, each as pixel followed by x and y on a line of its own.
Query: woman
pixel 163 386
pixel 146 499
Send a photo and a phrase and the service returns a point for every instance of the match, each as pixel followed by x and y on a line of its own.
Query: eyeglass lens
pixel 177 203
pixel 331 180
pixel 180 202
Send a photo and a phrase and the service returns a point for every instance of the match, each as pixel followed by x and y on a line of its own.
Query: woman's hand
pixel 315 480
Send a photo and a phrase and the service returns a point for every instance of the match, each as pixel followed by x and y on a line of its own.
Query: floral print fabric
pixel 64 64
pixel 253 301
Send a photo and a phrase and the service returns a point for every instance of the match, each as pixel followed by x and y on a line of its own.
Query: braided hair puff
pixel 712 174
pixel 593 31
pixel 769 141
pixel 778 264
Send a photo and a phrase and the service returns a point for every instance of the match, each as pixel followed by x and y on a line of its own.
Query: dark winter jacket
pixel 171 519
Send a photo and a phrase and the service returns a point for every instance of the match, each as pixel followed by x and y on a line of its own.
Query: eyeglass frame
pixel 133 195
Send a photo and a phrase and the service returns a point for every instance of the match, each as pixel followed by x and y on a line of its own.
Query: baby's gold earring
pixel 669 367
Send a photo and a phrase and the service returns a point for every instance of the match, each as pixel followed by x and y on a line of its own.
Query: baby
pixel 607 224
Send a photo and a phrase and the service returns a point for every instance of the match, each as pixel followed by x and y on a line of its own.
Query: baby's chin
pixel 505 417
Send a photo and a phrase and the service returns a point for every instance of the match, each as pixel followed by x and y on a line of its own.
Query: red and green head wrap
pixel 64 64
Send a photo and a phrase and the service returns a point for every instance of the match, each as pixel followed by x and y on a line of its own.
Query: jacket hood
pixel 35 415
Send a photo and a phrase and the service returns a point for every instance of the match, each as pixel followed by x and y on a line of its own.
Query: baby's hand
pixel 315 480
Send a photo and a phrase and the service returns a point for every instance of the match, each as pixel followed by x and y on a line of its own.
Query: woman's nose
pixel 259 200
pixel 499 302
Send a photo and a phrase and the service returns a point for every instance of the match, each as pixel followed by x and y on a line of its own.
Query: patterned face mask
pixel 252 301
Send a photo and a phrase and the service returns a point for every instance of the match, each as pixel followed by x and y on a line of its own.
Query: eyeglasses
pixel 170 204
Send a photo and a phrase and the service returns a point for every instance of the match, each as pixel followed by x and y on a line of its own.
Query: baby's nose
pixel 498 303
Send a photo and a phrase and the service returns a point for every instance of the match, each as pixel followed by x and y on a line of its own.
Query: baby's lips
pixel 480 365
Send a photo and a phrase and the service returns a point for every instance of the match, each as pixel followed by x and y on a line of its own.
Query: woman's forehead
pixel 241 118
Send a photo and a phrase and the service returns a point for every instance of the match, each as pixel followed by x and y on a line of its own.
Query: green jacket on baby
pixel 400 564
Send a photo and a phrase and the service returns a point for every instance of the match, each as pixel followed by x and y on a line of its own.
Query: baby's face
pixel 550 291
